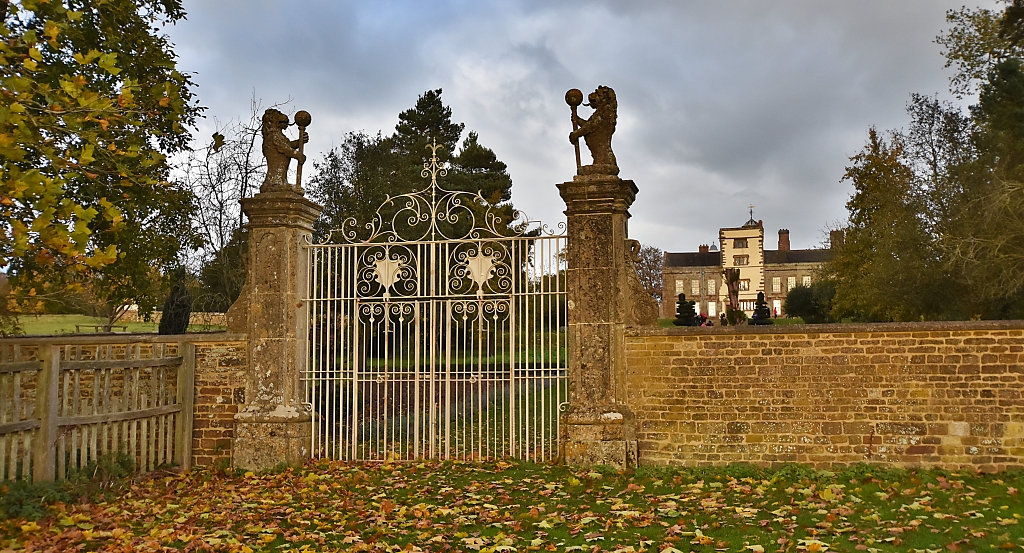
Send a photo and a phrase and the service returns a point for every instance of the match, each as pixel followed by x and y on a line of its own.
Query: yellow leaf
pixel 86 155
pixel 35 54
pixel 164 102
pixel 17 108
pixel 109 62
pixel 88 57
pixel 30 64
pixel 51 30
pixel 30 527
pixel 70 87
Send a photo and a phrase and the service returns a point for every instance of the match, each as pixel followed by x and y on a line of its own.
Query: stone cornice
pixel 597 194
pixel 281 209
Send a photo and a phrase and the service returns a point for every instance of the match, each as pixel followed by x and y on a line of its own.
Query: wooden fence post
pixel 44 467
pixel 186 397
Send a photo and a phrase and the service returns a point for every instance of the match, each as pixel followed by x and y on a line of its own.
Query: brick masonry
pixel 908 394
pixel 219 393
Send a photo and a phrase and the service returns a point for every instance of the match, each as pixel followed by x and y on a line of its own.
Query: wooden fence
pixel 63 407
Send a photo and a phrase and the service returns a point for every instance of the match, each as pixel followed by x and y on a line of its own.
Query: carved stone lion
pixel 279 151
pixel 597 132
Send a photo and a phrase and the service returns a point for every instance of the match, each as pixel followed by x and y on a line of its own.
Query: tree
pixel 84 135
pixel 977 40
pixel 990 247
pixel 355 179
pixel 229 169
pixel 887 269
pixel 648 268
pixel 686 314
pixel 935 229
pixel 178 307
pixel 811 303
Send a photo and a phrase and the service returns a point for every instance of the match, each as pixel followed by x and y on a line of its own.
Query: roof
pixel 771 257
pixel 693 259
pixel 797 256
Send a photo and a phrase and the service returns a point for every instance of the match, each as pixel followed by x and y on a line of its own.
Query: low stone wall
pixel 908 394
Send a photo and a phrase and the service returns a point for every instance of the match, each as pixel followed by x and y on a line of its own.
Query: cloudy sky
pixel 721 104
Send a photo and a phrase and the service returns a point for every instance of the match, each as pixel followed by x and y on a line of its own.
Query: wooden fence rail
pixel 62 408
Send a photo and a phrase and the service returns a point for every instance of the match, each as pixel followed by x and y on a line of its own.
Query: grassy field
pixel 519 507
pixel 47 325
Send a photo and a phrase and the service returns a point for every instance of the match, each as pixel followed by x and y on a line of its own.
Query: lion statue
pixel 279 151
pixel 597 132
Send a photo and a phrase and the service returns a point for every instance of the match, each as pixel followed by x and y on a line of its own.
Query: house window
pixel 807 281
pixel 740 259
pixel 776 285
pixel 744 285
pixel 680 286
pixel 747 305
pixel 739 243
pixel 712 309
pixel 712 291
pixel 695 288
pixel 776 307
pixel 790 283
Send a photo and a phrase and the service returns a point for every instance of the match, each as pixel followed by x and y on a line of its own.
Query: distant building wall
pixel 773 272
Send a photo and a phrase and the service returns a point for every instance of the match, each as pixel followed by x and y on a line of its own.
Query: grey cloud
pixel 722 104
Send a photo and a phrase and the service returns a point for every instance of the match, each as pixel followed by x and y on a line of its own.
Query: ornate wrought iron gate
pixel 437 330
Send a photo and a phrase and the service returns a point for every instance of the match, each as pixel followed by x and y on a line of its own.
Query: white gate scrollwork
pixel 437 330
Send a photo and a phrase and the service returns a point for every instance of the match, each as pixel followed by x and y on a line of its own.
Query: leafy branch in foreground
pixel 90 106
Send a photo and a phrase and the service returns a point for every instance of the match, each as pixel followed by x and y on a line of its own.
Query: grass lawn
pixel 47 325
pixel 519 507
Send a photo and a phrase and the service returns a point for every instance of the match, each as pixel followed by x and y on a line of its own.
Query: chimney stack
pixel 783 240
pixel 835 238
pixel 703 248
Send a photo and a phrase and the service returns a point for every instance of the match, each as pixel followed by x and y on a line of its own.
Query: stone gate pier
pixel 274 425
pixel 604 296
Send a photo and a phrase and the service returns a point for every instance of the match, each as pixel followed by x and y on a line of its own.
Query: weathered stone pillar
pixel 274 425
pixel 598 428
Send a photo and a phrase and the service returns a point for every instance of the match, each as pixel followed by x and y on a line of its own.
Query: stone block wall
pixel 219 393
pixel 908 394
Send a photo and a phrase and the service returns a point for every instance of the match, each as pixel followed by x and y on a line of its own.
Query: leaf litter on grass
pixel 514 507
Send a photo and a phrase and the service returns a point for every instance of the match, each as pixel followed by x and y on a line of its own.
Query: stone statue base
pixel 264 440
pixel 605 436
pixel 604 169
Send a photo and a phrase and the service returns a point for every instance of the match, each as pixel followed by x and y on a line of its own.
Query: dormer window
pixel 739 243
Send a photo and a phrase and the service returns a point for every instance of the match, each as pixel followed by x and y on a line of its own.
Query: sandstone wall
pixel 908 394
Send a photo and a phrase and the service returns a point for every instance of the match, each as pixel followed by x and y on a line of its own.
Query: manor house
pixel 700 274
